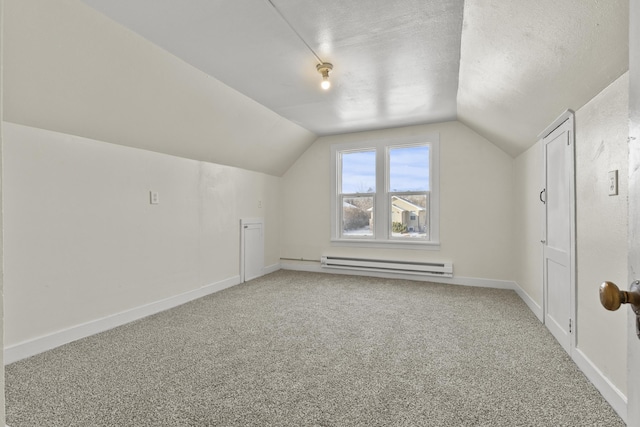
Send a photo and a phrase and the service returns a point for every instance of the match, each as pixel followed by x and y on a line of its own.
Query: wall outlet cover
pixel 154 197
pixel 613 183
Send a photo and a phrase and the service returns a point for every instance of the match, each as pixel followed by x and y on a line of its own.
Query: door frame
pixel 568 115
pixel 633 344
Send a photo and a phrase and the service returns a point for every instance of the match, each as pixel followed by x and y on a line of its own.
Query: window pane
pixel 357 216
pixel 359 172
pixel 409 216
pixel 409 168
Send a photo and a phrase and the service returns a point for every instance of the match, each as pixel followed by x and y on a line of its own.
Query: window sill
pixel 390 244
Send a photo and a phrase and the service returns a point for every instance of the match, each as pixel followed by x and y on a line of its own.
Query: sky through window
pixel 359 172
pixel 409 170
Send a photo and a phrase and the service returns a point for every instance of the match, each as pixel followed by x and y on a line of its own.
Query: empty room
pixel 337 213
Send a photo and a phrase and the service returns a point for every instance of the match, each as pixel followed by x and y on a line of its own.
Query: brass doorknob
pixel 612 297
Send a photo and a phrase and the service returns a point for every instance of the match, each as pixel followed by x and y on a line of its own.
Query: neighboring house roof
pixel 401 205
pixel 397 208
pixel 404 205
pixel 349 205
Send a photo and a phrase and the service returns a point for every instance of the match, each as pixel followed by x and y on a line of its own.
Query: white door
pixel 558 229
pixel 633 343
pixel 252 249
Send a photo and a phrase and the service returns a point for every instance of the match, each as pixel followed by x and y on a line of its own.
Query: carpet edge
pixel 41 344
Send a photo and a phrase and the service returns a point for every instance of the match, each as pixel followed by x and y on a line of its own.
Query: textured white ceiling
pixel 523 63
pixel 395 62
pixel 507 69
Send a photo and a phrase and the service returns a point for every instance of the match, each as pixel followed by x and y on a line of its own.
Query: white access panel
pixel 251 248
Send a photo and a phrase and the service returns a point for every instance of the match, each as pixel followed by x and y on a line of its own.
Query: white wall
pixel 82 241
pixel 475 203
pixel 602 130
pixel 70 69
pixel 528 224
pixel 601 228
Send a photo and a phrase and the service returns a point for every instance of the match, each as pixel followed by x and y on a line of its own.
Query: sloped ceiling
pixel 523 63
pixel 505 68
pixel 395 63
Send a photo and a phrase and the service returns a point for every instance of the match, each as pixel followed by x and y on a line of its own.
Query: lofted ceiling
pixel 506 69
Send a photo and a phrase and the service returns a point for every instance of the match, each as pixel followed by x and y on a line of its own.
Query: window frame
pixel 382 234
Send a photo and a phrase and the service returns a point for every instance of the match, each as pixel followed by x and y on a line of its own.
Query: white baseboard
pixel 610 392
pixel 533 306
pixel 310 266
pixel 476 282
pixel 271 268
pixel 38 345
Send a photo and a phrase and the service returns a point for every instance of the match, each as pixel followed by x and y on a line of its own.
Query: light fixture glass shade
pixel 324 69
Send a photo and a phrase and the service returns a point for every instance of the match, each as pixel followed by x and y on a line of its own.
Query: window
pixel 357 190
pixel 386 192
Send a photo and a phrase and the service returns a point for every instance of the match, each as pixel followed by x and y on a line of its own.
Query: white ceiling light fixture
pixel 323 67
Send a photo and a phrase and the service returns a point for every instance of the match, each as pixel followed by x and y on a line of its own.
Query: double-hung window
pixel 385 192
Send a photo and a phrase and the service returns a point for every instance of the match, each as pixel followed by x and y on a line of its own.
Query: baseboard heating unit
pixel 441 269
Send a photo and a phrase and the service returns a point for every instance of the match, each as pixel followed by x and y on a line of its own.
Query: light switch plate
pixel 154 197
pixel 613 183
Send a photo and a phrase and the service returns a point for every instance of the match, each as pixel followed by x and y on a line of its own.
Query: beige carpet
pixel 302 349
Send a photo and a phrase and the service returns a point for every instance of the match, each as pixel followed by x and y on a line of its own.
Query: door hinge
pixel 570 325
